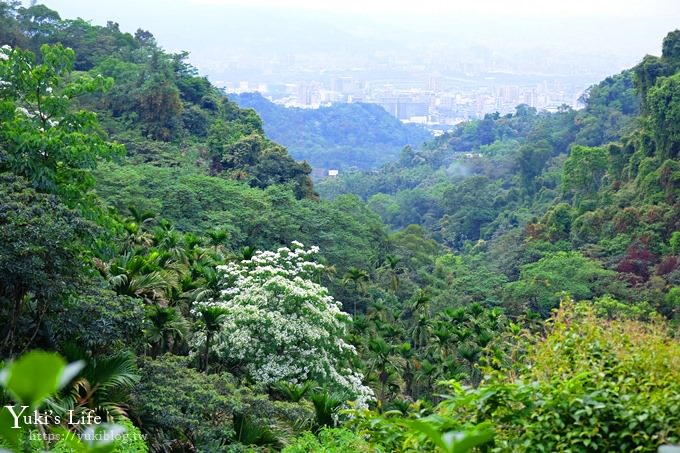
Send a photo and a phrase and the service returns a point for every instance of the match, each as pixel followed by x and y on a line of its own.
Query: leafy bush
pixel 101 321
pixel 181 408
pixel 589 384
pixel 330 440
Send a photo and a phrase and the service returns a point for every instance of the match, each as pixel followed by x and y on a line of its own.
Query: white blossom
pixel 4 52
pixel 281 325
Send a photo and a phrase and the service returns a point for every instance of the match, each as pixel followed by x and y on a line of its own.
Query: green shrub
pixel 330 440
pixel 589 384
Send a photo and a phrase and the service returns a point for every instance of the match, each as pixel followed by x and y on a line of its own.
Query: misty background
pixel 611 38
pixel 430 62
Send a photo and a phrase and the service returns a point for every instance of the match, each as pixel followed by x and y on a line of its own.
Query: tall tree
pixel 42 137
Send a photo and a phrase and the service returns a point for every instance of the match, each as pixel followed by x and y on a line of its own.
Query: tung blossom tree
pixel 280 325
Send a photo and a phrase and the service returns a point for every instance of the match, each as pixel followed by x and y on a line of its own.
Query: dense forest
pixel 172 280
pixel 341 136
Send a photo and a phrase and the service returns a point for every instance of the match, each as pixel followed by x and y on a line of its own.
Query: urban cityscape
pixel 432 106
pixel 437 93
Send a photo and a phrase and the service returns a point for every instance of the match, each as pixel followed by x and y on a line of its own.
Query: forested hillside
pixel 171 278
pixel 341 136
pixel 531 195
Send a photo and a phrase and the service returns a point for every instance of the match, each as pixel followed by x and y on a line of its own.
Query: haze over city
pixel 431 62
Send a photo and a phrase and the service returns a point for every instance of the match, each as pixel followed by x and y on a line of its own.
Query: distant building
pixel 333 173
pixel 304 94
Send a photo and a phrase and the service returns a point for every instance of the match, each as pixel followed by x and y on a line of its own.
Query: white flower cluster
pixel 281 325
pixel 5 51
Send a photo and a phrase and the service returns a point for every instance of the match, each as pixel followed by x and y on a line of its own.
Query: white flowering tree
pixel 280 325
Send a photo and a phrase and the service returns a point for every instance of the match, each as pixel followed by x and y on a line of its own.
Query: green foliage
pixel 102 386
pixel 532 159
pixel 294 392
pixel 422 429
pixel 211 319
pixel 131 441
pixel 611 108
pixel 160 108
pixel 557 222
pixel 450 441
pixel 157 97
pixel 100 320
pixel 330 440
pixel 599 385
pixel 249 432
pixel 584 169
pixel 40 260
pixel 348 233
pixel 19 378
pixel 542 284
pixel 43 137
pixel 261 163
pixel 30 381
pixel 336 137
pixel 673 299
pixel 179 407
pixel 587 384
pixel 182 408
pixel 664 108
pixel 326 407
pixel 496 219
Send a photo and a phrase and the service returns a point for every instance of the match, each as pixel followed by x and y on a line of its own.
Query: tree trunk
pixel 206 353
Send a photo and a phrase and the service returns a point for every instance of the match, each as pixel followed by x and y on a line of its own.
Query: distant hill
pixel 340 137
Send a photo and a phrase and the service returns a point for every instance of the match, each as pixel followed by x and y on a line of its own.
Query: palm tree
pixel 378 311
pixel 326 405
pixel 294 392
pixel 360 326
pixel 358 277
pixel 171 241
pixel 470 353
pixel 484 338
pixel 427 372
pixel 136 236
pixel 141 217
pixel 254 432
pixel 103 385
pixel 408 357
pixel 202 282
pixel 211 322
pixel 192 245
pixel 454 315
pixel 420 331
pixel 167 327
pixel 246 253
pixel 420 301
pixel 391 265
pixel 217 238
pixel 442 336
pixel 135 225
pixel 383 360
pixel 135 276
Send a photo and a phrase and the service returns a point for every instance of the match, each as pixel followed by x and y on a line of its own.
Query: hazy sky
pixel 625 29
pixel 571 8
pixel 660 9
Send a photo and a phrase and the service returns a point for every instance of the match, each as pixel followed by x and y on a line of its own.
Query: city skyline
pixel 463 58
